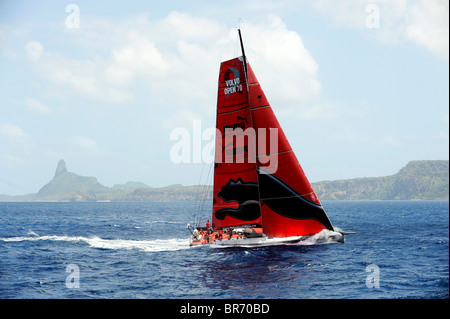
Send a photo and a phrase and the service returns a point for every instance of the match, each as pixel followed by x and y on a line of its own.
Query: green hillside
pixel 70 186
pixel 417 180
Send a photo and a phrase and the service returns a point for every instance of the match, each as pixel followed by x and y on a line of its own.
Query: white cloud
pixel 321 110
pixel 85 142
pixel 183 118
pixel 84 146
pixel 284 67
pixel 428 25
pixel 139 56
pixel 18 143
pixel 38 107
pixel 34 50
pixel 348 13
pixel 79 76
pixel 423 22
pixel 13 159
pixel 13 133
pixel 179 25
pixel 178 58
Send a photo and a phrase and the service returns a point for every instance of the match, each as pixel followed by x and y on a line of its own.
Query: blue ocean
pixel 54 250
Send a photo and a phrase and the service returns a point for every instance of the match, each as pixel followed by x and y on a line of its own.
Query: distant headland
pixel 418 180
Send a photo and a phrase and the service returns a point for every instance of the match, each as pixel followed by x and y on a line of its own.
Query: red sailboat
pixel 261 194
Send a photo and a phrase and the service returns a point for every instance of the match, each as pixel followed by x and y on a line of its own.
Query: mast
pixel 243 55
pixel 251 117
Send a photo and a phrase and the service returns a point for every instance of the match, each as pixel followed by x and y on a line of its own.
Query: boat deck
pixel 208 236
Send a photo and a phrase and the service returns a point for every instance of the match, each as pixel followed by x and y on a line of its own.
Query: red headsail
pixel 289 206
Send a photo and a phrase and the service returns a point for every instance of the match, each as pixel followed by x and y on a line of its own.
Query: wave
pixel 326 236
pixel 156 245
pixel 31 233
pixel 161 222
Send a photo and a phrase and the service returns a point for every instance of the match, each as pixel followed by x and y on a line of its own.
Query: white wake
pixel 324 237
pixel 97 242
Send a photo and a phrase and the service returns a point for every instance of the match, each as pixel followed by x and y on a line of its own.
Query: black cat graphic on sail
pixel 243 193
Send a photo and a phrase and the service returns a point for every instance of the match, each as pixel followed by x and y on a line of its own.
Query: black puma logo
pixel 242 119
pixel 275 193
pixel 285 201
pixel 244 193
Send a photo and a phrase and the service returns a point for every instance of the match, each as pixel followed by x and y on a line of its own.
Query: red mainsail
pixel 257 177
pixel 236 194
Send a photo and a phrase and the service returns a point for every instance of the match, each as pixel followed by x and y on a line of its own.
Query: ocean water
pixel 140 250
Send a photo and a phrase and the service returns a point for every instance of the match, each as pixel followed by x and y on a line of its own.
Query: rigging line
pixel 203 186
pixel 206 189
pixel 198 206
pixel 207 199
pixel 198 190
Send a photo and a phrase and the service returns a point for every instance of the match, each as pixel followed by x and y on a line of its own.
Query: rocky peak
pixel 61 168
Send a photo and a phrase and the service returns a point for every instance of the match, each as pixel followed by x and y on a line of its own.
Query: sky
pixel 360 88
